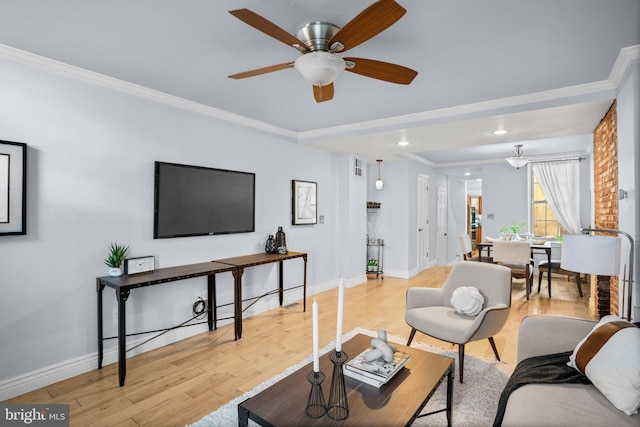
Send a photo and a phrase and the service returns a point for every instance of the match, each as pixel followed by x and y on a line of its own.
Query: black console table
pixel 124 284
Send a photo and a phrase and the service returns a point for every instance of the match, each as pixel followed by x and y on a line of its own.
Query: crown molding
pixel 626 56
pixel 81 74
pixel 458 112
pixel 622 64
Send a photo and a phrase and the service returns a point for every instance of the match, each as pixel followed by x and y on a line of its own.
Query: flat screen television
pixel 197 201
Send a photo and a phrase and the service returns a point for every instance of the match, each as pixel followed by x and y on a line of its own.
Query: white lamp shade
pixel 517 162
pixel 319 68
pixel 591 254
pixel 379 184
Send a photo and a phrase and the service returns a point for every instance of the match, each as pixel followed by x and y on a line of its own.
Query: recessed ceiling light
pixel 479 179
pixel 403 143
pixel 467 173
pixel 499 132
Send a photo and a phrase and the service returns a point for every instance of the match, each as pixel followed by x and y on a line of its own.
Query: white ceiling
pixel 540 69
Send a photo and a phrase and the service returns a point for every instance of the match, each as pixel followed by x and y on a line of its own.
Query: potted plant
pixel 117 254
pixel 514 229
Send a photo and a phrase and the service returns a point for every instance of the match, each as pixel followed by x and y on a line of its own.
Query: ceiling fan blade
pixel 268 27
pixel 323 93
pixel 263 70
pixel 382 70
pixel 369 23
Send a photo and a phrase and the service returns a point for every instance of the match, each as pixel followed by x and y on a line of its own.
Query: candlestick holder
pixel 316 406
pixel 338 408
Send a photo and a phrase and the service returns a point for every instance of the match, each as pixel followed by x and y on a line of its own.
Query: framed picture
pixel 13 188
pixel 303 202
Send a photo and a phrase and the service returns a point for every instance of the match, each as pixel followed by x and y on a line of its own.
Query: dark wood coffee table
pixel 399 402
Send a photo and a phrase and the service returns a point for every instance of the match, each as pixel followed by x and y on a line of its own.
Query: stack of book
pixel 376 372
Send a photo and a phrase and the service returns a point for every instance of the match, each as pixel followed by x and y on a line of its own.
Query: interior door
pixel 423 222
pixel 441 229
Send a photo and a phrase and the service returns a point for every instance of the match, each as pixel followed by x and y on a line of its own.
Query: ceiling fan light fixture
pixel 517 161
pixel 319 68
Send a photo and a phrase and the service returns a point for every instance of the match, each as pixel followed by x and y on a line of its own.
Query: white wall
pixel 352 208
pixel 505 196
pixel 397 220
pixel 91 153
pixel 457 224
pixel 393 216
pixel 628 115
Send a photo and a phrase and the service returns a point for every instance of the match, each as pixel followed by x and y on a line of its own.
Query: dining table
pixel 536 248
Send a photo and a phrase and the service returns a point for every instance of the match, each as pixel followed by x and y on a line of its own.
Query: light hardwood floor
pixel 180 383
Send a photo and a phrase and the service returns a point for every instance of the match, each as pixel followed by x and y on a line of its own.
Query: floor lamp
pixel 599 255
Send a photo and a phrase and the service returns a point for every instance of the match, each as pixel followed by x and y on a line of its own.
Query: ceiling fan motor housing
pixel 316 35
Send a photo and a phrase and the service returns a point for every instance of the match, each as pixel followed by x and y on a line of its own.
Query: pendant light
pixel 517 161
pixel 379 182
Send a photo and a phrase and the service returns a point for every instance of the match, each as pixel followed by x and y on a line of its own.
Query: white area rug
pixel 474 403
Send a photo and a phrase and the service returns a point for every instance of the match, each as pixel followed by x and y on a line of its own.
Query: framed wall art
pixel 13 188
pixel 303 202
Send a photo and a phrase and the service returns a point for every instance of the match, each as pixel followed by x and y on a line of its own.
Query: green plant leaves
pixel 117 254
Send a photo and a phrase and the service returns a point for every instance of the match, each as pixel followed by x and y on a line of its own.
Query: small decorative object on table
pixel 316 406
pixel 377 365
pixel 338 407
pixel 511 232
pixel 117 254
pixel 281 240
pixel 138 265
pixel 270 246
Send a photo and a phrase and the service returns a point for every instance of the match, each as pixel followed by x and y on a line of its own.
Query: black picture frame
pixel 304 207
pixel 13 188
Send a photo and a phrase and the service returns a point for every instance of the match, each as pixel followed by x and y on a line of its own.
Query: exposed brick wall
pixel 605 160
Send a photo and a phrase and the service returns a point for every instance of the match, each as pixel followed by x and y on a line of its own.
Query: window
pixel 545 223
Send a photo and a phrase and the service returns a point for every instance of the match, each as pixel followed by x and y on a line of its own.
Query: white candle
pixel 316 360
pixel 340 308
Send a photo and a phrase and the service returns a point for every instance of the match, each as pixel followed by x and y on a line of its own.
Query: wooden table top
pixel 163 275
pixel 396 403
pixel 262 258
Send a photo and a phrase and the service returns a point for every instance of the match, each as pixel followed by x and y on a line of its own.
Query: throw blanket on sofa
pixel 550 368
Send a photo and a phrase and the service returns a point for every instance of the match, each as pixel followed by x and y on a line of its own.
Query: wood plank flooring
pixel 182 382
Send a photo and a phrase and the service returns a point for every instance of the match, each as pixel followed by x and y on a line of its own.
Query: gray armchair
pixel 429 310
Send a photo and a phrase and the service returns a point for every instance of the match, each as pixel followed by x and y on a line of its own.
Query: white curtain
pixel 560 183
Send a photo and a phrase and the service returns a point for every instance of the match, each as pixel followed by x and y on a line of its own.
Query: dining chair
pixel 517 256
pixel 543 267
pixel 467 250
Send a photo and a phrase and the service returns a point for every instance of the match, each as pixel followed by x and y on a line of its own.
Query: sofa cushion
pixel 609 357
pixel 563 405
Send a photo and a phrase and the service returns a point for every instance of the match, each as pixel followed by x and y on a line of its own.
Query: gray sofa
pixel 558 404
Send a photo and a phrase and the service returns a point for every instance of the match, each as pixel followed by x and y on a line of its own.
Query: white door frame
pixel 423 222
pixel 441 226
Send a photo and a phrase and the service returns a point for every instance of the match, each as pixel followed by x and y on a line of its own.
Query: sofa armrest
pixel 540 335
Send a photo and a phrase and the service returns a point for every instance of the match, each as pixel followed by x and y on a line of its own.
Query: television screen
pixel 196 201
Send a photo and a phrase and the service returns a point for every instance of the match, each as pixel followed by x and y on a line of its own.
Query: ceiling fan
pixel 320 41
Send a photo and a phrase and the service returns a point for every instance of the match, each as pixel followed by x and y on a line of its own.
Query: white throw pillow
pixel 467 300
pixel 610 357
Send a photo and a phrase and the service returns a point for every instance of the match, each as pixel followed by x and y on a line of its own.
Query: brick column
pixel 605 170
